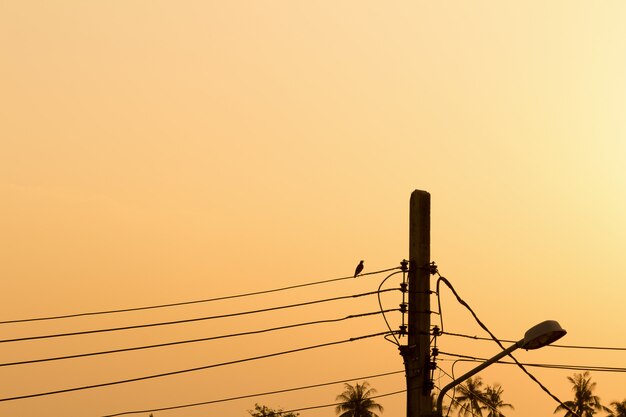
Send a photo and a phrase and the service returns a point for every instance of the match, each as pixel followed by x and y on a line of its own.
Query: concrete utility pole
pixel 417 353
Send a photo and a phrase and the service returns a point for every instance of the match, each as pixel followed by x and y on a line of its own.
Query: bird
pixel 358 269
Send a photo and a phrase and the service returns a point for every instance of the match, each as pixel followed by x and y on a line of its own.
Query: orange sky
pixel 159 151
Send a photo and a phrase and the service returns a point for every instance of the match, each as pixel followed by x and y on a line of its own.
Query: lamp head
pixel 542 335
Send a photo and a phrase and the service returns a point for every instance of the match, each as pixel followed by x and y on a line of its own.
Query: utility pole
pixel 416 354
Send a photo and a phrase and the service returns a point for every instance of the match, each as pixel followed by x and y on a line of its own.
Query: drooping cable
pixel 438 292
pixel 182 371
pixel 495 339
pixel 182 303
pixel 380 304
pixel 240 397
pixel 180 342
pixel 195 319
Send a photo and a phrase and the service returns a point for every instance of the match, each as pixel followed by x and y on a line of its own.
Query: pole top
pixel 422 192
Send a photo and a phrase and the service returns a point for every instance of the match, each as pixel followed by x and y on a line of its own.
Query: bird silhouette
pixel 358 269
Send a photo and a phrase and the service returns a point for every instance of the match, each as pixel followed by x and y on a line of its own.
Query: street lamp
pixel 536 337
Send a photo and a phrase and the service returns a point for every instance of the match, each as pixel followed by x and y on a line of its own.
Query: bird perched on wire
pixel 358 269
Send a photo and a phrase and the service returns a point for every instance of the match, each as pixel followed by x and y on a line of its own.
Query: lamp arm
pixel 473 372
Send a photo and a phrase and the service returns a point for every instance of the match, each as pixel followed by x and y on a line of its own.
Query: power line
pixel 467 358
pixel 453 399
pixel 240 397
pixel 195 319
pixel 551 345
pixel 181 303
pixel 336 404
pixel 380 304
pixel 495 339
pixel 204 339
pixel 182 371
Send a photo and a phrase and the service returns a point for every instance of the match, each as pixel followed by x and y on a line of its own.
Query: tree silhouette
pixel 471 398
pixel 585 404
pixel 356 401
pixel 493 401
pixel 263 411
pixel 619 409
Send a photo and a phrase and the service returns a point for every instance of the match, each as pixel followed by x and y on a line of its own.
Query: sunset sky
pixel 156 152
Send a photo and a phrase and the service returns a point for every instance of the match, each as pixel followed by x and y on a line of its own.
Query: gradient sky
pixel 161 151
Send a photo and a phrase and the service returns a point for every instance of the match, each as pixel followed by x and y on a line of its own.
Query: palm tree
pixel 356 401
pixel 263 411
pixel 619 409
pixel 493 401
pixel 585 404
pixel 471 398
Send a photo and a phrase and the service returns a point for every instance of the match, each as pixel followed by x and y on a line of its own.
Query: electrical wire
pixel 453 388
pixel 204 339
pixel 439 377
pixel 495 339
pixel 467 358
pixel 182 303
pixel 551 345
pixel 439 303
pixel 453 399
pixel 182 371
pixel 336 404
pixel 195 319
pixel 240 397
pixel 466 391
pixel 380 304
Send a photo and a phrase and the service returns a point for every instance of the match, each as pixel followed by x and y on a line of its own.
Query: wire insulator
pixel 404 286
pixel 436 331
pixel 403 329
pixel 435 352
pixel 403 308
pixel 404 265
pixel 433 268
